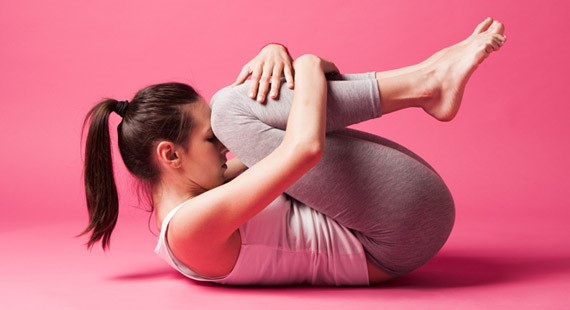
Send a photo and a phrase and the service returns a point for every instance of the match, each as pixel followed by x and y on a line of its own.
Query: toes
pixel 501 39
pixel 497 43
pixel 493 45
pixel 483 25
pixel 497 27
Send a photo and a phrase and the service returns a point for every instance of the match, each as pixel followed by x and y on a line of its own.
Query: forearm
pixel 306 124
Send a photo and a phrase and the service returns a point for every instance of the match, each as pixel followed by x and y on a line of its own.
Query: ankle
pixel 430 87
pixel 416 88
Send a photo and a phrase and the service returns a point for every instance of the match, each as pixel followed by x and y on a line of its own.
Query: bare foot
pixel 451 68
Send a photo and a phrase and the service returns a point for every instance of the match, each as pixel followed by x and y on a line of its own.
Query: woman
pixel 319 203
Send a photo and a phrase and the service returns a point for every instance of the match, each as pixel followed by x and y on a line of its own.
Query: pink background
pixel 505 157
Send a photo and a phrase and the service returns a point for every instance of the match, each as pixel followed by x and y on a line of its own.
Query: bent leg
pixel 397 206
pixel 252 130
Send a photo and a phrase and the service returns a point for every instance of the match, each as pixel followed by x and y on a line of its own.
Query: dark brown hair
pixel 156 113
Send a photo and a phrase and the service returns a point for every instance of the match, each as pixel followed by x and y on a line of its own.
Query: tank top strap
pixel 166 221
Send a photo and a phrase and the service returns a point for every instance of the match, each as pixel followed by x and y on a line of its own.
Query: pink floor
pixel 44 267
pixel 505 156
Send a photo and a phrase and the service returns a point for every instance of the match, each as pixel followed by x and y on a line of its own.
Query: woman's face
pixel 205 157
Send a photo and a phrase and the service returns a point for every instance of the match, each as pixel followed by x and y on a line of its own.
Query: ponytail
pixel 100 188
pixel 156 113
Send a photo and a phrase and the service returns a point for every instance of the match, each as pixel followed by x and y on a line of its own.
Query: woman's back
pixel 288 243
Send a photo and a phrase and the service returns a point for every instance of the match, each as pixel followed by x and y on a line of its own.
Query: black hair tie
pixel 121 107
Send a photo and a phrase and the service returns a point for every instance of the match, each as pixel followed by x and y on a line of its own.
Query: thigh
pixel 366 182
pixel 396 205
pixel 366 136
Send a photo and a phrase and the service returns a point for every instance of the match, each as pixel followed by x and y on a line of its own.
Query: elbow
pixel 309 59
pixel 312 152
pixel 306 150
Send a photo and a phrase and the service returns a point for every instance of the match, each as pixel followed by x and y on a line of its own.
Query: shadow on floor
pixel 444 271
pixel 456 270
pixel 148 274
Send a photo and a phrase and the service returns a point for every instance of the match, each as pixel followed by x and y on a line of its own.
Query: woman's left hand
pixel 267 68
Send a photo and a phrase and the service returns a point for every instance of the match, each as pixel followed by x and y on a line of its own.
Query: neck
pixel 168 195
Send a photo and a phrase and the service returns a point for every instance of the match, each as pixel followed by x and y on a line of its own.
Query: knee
pixel 231 106
pixel 438 210
pixel 436 223
pixel 223 100
pixel 432 195
pixel 227 108
pixel 445 206
pixel 430 223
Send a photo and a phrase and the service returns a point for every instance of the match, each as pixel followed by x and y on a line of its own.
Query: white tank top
pixel 287 243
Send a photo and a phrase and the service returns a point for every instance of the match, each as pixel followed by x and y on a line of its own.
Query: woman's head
pixel 158 113
pixel 197 165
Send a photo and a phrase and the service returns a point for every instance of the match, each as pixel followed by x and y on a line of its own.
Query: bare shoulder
pixel 210 261
pixel 205 255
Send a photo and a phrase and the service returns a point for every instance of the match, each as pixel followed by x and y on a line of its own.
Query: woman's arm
pixel 307 118
pixel 205 227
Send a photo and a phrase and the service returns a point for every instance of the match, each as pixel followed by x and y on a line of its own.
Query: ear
pixel 167 154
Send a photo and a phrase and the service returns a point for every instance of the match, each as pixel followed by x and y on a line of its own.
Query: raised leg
pixel 399 208
pixel 394 202
pixel 236 117
pixel 437 84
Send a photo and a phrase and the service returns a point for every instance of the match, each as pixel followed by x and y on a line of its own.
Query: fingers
pixel 255 77
pixel 289 76
pixel 269 82
pixel 276 80
pixel 244 73
pixel 264 84
pixel 261 78
pixel 266 70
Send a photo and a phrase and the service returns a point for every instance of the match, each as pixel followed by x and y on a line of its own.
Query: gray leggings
pixel 392 200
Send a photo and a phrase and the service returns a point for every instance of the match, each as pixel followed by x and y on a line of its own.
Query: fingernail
pixel 250 94
pixel 259 98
